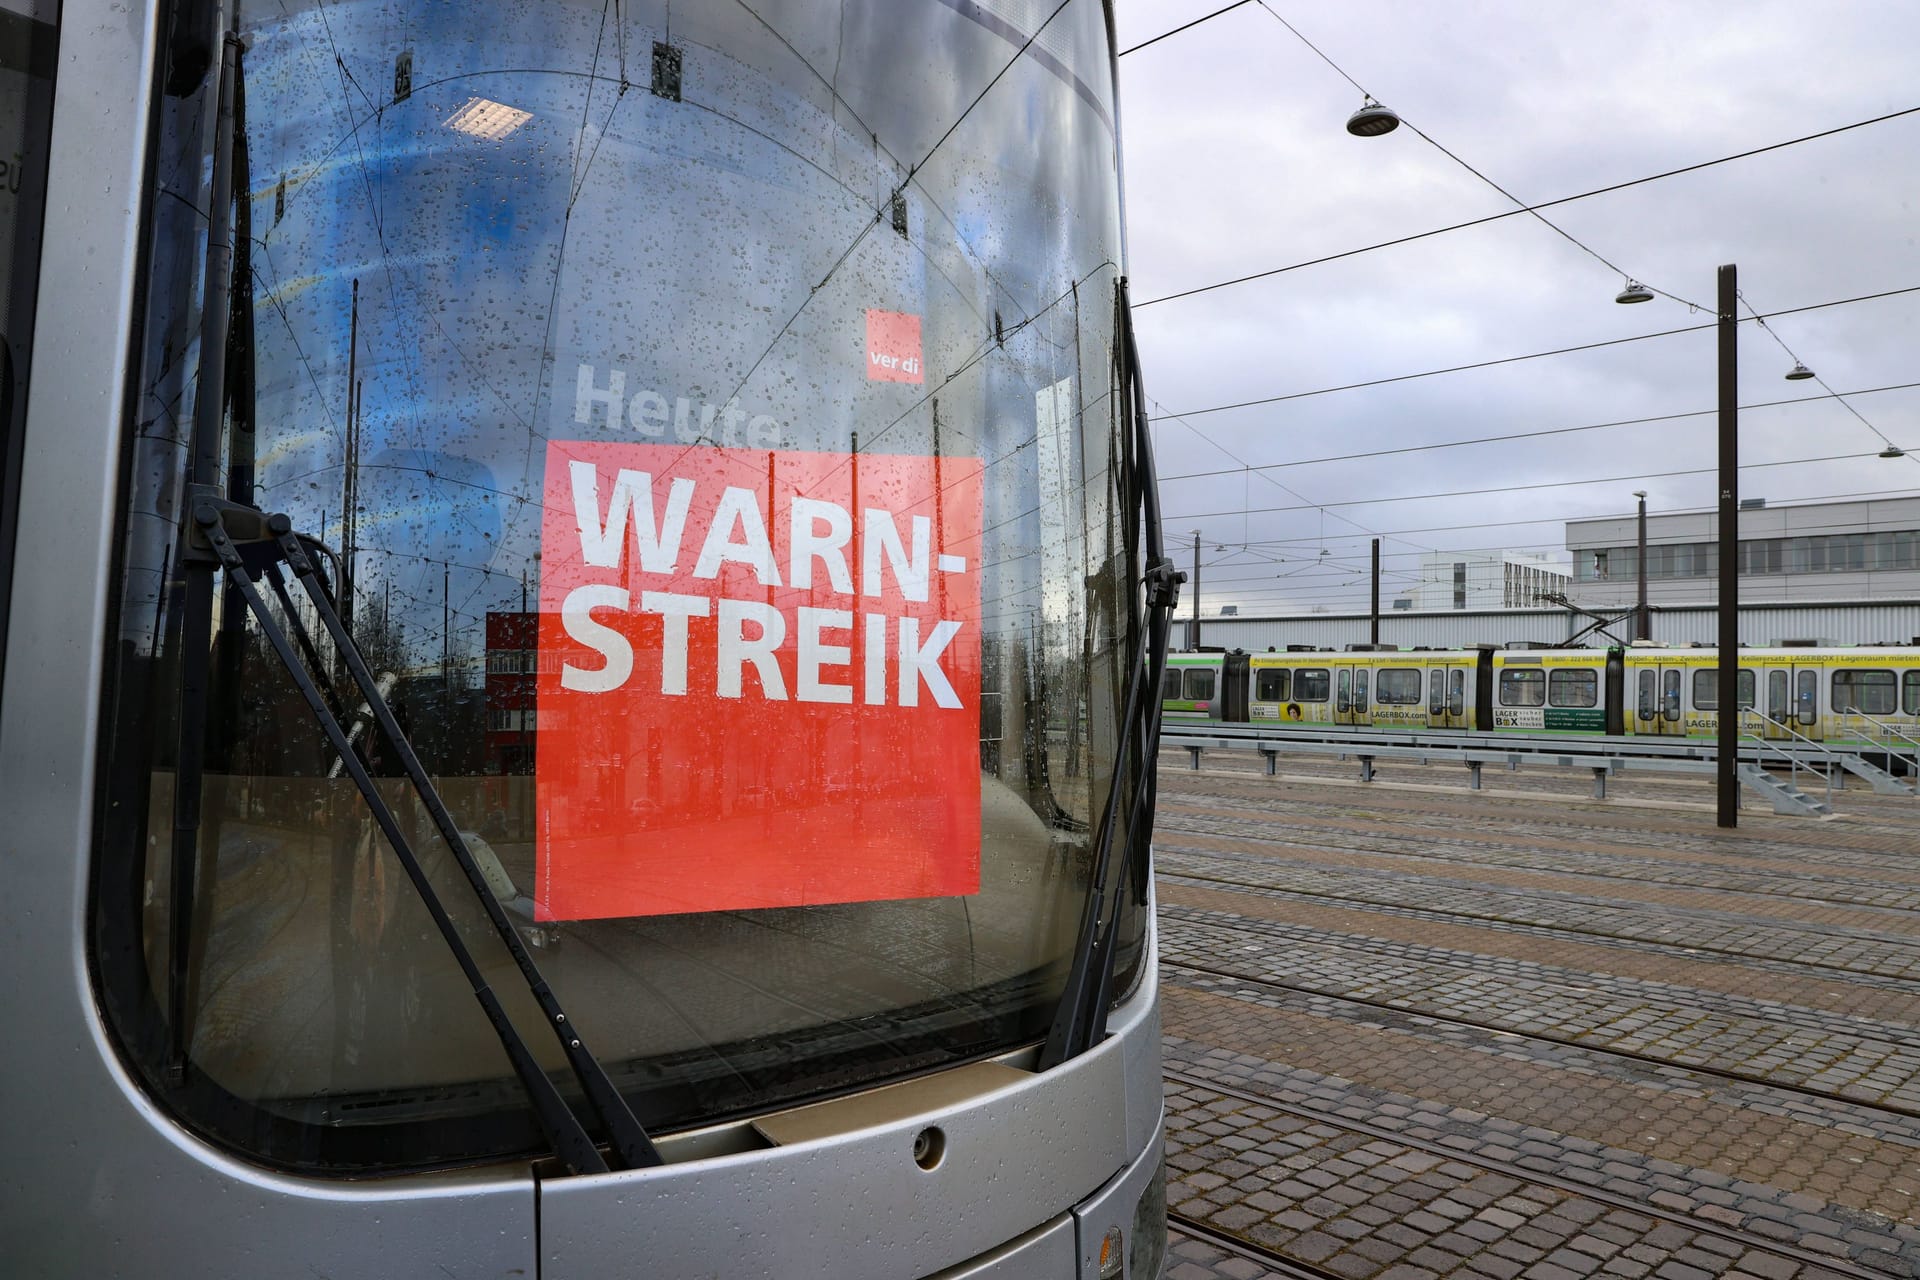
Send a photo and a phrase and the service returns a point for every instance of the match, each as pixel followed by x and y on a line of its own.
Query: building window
pixel 1459 584
pixel 510 662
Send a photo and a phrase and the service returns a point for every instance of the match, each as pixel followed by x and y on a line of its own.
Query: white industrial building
pixel 1866 550
pixel 1837 573
pixel 1767 625
pixel 1484 580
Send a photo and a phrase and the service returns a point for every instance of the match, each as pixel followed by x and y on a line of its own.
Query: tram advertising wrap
pixel 723 626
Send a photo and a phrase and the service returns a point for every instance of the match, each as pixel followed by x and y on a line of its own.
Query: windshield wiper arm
pixel 266 543
pixel 1080 1020
pixel 243 541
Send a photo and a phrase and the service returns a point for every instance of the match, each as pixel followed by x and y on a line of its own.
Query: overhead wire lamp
pixel 1799 372
pixel 1372 120
pixel 1634 292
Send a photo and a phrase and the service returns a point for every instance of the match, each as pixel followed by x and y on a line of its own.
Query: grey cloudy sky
pixel 1237 160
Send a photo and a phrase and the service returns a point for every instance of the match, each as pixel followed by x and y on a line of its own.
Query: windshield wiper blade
pixel 191 621
pixel 245 542
pixel 1080 1020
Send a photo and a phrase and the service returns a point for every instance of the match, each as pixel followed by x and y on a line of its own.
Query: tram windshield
pixel 710 412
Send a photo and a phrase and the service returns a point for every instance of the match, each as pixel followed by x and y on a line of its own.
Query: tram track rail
pixel 1227 1242
pixel 1520 1173
pixel 1179 785
pixel 1655 947
pixel 1568 929
pixel 1288 832
pixel 1505 855
pixel 1559 1042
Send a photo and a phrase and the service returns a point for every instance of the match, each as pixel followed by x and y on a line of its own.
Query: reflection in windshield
pixel 712 412
pixel 28 40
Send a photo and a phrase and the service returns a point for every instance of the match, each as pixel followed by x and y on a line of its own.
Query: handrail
pixel 1888 731
pixel 1443 741
pixel 1793 758
pixel 1612 753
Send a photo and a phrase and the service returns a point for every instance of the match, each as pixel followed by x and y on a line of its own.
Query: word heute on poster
pixel 759 682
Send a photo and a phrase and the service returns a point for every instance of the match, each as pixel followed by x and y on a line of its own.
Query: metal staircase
pixel 1784 796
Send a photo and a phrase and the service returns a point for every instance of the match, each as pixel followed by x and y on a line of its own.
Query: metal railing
pixel 1604 756
pixel 1910 756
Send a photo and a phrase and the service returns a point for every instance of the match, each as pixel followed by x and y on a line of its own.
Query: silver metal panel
pixel 1046 1253
pixel 1114 1206
pixel 1140 1046
pixel 856 1206
pixel 97 1182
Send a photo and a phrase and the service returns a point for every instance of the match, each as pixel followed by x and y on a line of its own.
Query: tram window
pixel 1170 685
pixel 1200 682
pixel 1910 692
pixel 1706 689
pixel 1344 699
pixel 1870 692
pixel 1646 699
pixel 1573 688
pixel 1457 692
pixel 1670 695
pixel 1526 687
pixel 1360 689
pixel 1270 684
pixel 1310 684
pixel 1777 708
pixel 1437 692
pixel 1397 686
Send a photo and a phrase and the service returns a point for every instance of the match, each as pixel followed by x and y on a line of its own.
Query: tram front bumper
pixel 1118 1233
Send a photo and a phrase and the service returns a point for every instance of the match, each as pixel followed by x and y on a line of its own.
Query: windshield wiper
pixel 230 535
pixel 247 544
pixel 1080 1021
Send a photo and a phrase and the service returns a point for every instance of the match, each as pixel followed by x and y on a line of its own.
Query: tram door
pixel 1447 697
pixel 1659 700
pixel 1350 700
pixel 1793 702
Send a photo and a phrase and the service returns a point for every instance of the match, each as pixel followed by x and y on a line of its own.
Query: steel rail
pixel 1560 1042
pixel 1227 1242
pixel 1598 1195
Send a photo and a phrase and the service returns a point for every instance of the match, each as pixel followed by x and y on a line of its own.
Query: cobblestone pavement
pixel 1413 1034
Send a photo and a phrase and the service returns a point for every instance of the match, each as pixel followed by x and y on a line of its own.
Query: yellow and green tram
pixel 1862 696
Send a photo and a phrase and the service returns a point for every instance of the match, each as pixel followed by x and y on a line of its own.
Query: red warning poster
pixel 759 679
